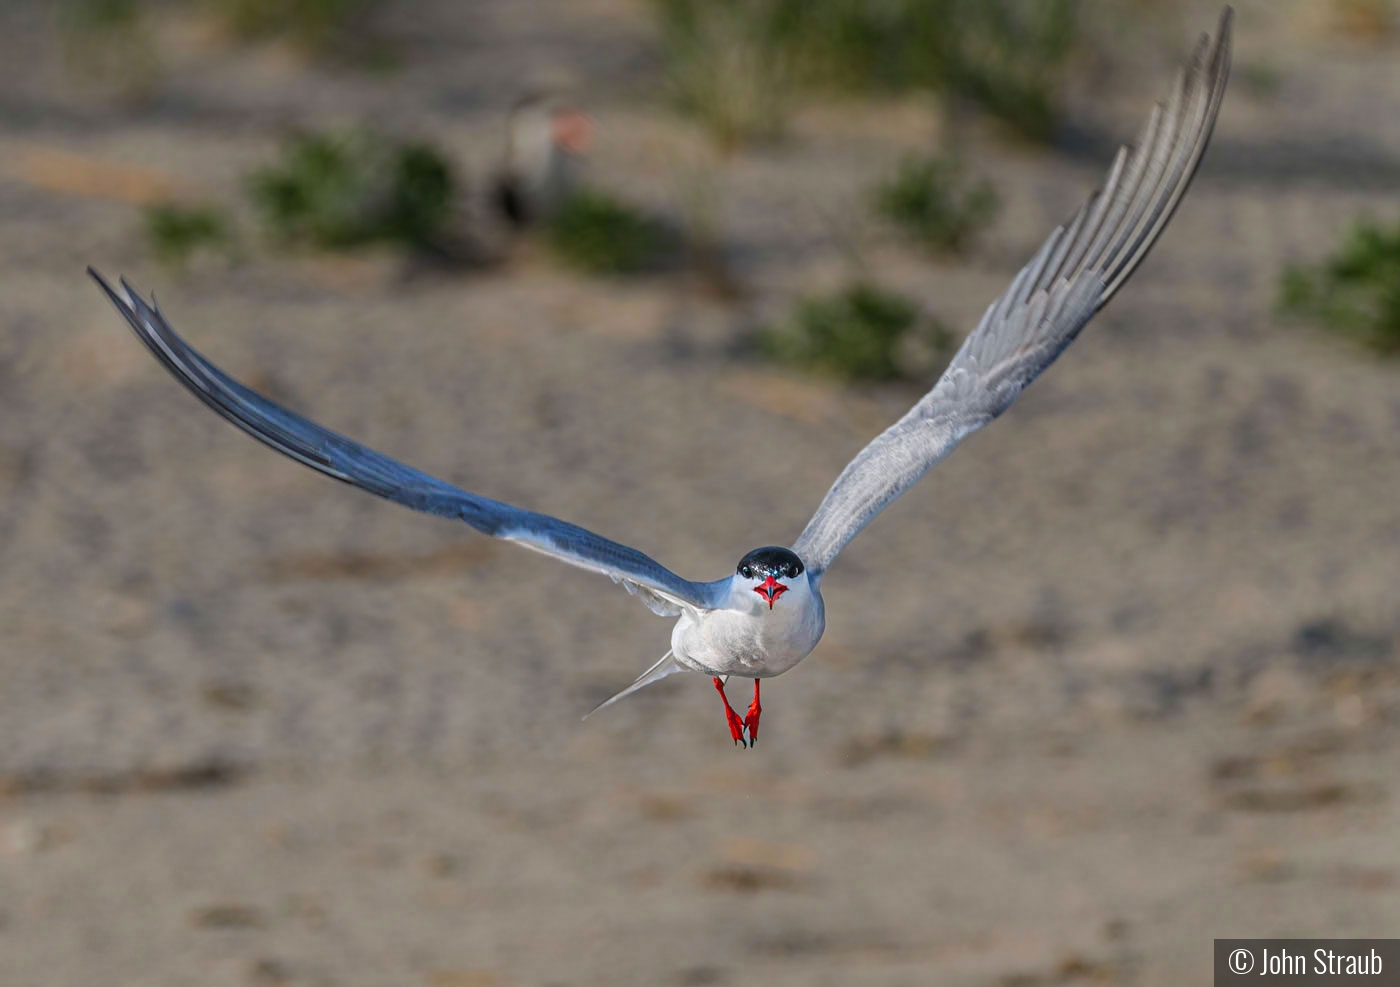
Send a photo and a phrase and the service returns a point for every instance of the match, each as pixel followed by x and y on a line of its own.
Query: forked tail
pixel 666 666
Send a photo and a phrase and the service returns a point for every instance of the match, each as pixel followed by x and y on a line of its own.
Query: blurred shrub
pixel 318 26
pixel 1010 58
pixel 737 63
pixel 348 189
pixel 859 333
pixel 110 39
pixel 1261 79
pixel 1004 55
pixel 932 201
pixel 1356 292
pixel 596 233
pixel 176 232
pixel 109 42
pixel 728 65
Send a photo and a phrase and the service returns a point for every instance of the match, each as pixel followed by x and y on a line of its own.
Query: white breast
pixel 750 640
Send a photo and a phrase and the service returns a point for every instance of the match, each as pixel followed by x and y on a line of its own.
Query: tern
pixel 768 614
pixel 545 141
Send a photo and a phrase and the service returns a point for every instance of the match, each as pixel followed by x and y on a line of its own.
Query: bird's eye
pixel 792 570
pixel 746 571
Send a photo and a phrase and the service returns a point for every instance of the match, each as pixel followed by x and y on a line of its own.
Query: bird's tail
pixel 666 666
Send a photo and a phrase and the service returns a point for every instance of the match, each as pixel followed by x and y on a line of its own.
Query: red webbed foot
pixel 751 718
pixel 736 725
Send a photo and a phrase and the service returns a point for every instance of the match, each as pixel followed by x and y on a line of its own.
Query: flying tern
pixel 768 614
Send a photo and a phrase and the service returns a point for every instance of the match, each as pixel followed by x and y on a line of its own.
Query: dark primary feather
pixel 360 466
pixel 1073 275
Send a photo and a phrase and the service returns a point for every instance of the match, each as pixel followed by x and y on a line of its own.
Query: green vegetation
pixel 322 27
pixel 1011 57
pixel 728 66
pixel 932 201
pixel 343 190
pixel 859 333
pixel 176 232
pixel 596 233
pixel 109 42
pixel 349 189
pixel 736 64
pixel 95 17
pixel 1356 292
pixel 1262 80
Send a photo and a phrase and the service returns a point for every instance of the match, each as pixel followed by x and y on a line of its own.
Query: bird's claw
pixel 736 728
pixel 736 725
pixel 751 722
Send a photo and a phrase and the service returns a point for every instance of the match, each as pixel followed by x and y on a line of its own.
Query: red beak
pixel 770 591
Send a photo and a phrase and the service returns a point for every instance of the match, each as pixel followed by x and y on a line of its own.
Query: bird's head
pixel 769 572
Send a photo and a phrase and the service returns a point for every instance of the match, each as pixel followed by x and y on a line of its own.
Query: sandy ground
pixel 1119 678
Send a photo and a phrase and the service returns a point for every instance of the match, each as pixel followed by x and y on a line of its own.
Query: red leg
pixel 736 725
pixel 751 719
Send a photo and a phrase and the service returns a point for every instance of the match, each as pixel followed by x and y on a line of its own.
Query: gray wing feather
pixel 1075 273
pixel 334 455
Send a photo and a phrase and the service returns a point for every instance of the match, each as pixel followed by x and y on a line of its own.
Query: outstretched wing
pixel 334 455
pixel 1079 268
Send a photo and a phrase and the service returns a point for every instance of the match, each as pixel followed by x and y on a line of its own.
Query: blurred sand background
pixel 1118 678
